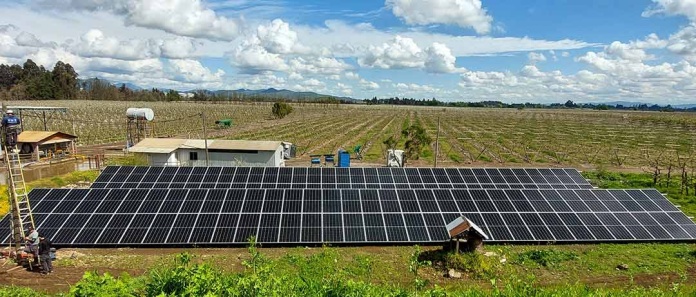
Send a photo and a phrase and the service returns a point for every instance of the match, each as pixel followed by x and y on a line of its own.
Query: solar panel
pixel 141 217
pixel 129 177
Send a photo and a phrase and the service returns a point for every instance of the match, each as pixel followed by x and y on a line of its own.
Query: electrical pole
pixel 437 141
pixel 205 139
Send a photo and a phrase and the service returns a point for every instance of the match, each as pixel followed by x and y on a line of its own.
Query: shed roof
pixel 157 145
pixel 168 145
pixel 43 136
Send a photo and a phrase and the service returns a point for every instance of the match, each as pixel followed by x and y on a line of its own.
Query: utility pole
pixel 437 141
pixel 205 139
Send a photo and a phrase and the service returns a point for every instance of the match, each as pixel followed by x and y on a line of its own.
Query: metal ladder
pixel 22 217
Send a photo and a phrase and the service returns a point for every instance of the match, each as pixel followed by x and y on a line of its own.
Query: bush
pixel 546 257
pixel 476 264
pixel 93 284
pixel 13 291
pixel 281 109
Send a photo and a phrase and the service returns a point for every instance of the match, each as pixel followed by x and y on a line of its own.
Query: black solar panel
pixel 135 217
pixel 128 177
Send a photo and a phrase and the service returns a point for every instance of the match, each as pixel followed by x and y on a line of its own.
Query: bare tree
pixel 654 160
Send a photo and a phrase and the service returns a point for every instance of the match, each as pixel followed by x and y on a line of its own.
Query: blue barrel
pixel 343 159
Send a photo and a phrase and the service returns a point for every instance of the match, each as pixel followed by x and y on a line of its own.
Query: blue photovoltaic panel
pixel 134 217
pixel 339 178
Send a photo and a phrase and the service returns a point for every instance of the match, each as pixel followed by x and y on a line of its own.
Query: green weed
pixel 545 257
pixel 475 264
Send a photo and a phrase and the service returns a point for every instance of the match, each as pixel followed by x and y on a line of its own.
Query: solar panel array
pixel 129 177
pixel 128 217
pixel 131 206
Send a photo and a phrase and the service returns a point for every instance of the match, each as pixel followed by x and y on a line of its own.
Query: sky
pixel 454 50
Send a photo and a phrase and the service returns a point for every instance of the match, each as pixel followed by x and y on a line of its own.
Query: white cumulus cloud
pixel 403 52
pixel 368 85
pixel 194 72
pixel 463 13
pixel 535 57
pixel 672 7
pixel 182 17
pixel 276 47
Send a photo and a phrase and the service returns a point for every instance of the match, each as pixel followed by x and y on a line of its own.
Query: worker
pixel 11 124
pixel 33 244
pixel 45 252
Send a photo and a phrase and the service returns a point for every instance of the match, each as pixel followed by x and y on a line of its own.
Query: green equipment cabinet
pixel 226 123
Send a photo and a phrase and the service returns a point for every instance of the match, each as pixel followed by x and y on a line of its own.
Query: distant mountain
pixel 270 92
pixel 131 86
pixel 87 83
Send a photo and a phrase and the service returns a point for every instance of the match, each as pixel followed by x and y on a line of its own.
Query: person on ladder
pixel 11 124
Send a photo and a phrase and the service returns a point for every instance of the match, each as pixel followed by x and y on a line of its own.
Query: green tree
pixel 30 69
pixel 173 96
pixel 40 86
pixel 7 77
pixel 65 81
pixel 416 140
pixel 281 109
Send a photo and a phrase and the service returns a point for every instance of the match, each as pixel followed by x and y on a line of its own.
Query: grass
pixel 571 270
pixel 128 160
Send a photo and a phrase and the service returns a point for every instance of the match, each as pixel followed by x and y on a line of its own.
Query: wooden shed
pixel 45 143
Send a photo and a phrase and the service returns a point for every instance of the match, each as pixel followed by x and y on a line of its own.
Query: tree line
pixel 30 81
pixel 498 104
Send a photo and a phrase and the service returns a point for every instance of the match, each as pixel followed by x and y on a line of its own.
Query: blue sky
pixel 456 50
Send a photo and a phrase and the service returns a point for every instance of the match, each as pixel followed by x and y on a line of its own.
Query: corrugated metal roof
pixel 244 145
pixel 168 145
pixel 39 136
pixel 157 145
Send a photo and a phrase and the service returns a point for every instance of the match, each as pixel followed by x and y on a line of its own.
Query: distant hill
pixel 131 86
pixel 87 83
pixel 270 92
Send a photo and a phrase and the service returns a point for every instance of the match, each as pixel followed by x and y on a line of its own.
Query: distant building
pixel 45 143
pixel 191 152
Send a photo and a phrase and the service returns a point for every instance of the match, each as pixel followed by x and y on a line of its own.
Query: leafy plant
pixel 414 264
pixel 416 140
pixel 93 284
pixel 281 110
pixel 476 264
pixel 15 291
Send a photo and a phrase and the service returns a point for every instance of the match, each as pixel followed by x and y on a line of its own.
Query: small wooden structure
pixel 46 143
pixel 463 228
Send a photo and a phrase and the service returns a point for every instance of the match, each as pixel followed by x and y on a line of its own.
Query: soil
pixel 57 282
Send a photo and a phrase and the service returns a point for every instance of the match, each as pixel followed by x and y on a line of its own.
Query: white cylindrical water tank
pixel 140 114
